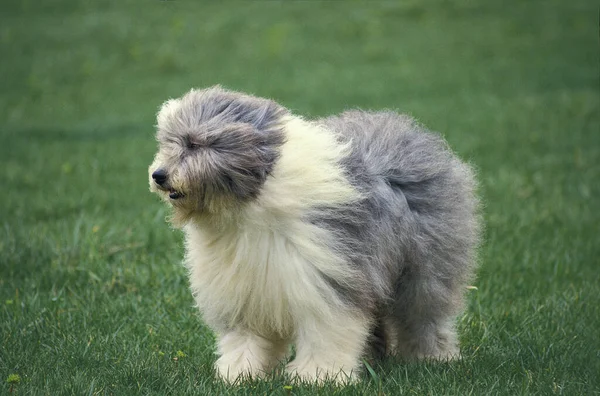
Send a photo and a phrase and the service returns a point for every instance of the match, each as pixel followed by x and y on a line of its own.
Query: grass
pixel 93 299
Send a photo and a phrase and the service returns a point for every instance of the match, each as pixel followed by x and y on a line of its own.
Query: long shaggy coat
pixel 347 236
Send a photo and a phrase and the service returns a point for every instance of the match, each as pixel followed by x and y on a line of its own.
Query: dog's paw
pixel 441 356
pixel 314 373
pixel 236 371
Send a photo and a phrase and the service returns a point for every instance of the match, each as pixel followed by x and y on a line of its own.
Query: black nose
pixel 159 176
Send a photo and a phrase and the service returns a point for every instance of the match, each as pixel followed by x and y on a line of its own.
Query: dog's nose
pixel 159 176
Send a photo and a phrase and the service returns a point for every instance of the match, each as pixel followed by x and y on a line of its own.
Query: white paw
pixel 315 373
pixel 237 370
pixel 245 355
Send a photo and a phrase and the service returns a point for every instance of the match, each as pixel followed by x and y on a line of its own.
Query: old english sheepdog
pixel 348 236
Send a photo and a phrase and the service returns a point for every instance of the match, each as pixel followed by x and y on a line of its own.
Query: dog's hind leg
pixel 421 320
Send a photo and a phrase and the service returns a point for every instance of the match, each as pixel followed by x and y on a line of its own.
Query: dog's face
pixel 215 150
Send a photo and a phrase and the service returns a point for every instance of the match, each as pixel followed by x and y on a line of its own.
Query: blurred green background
pixel 92 296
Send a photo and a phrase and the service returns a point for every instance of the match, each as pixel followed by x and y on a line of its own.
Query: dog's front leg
pixel 244 354
pixel 330 349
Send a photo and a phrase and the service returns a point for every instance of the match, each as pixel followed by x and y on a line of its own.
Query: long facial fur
pixel 217 148
pixel 364 221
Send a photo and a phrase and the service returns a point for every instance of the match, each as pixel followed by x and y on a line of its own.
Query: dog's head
pixel 215 150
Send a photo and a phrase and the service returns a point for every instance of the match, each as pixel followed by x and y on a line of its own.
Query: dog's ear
pixel 245 152
pixel 245 138
pixel 247 135
pixel 261 114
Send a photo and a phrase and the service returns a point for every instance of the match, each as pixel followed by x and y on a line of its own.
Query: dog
pixel 349 236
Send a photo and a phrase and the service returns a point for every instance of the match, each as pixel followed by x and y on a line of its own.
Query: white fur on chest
pixel 261 279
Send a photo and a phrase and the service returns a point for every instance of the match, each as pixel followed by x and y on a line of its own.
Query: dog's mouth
pixel 174 194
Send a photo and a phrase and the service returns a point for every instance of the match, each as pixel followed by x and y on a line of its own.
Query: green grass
pixel 93 299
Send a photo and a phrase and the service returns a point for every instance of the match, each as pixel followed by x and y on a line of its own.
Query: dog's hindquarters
pixel 422 215
pixel 429 293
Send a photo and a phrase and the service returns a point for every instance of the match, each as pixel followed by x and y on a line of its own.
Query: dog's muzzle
pixel 161 178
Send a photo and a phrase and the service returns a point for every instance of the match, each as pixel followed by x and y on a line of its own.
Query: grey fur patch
pixel 414 236
pixel 225 142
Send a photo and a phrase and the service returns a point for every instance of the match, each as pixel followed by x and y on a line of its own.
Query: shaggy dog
pixel 347 236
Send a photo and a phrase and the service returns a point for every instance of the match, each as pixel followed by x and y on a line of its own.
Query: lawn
pixel 93 299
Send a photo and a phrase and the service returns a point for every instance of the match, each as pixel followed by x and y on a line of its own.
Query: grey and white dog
pixel 347 236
